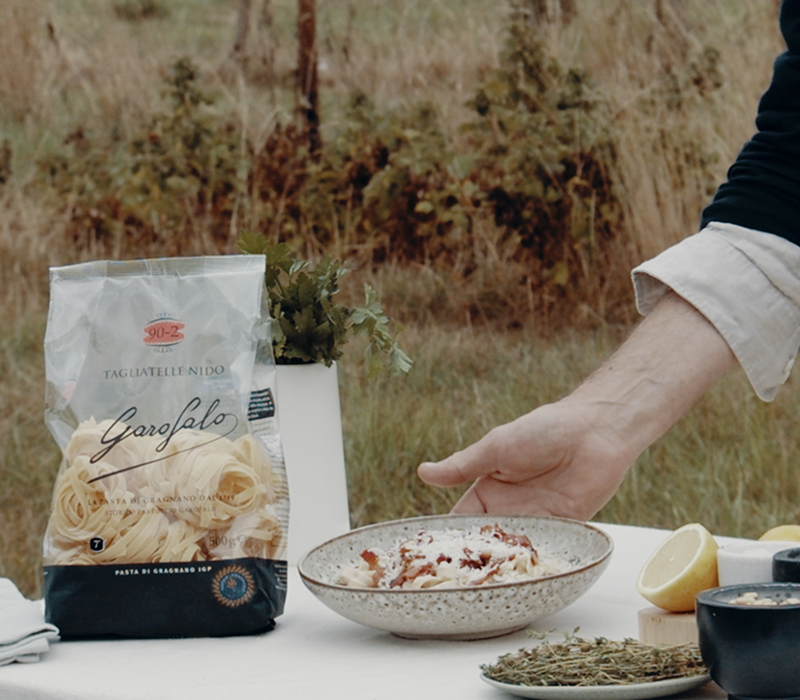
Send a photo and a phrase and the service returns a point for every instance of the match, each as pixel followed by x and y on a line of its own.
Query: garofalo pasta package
pixel 170 508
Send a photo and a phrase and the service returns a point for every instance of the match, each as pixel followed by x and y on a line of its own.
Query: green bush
pixel 181 172
pixel 545 154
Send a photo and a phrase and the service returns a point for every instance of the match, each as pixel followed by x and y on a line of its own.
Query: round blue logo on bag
pixel 233 586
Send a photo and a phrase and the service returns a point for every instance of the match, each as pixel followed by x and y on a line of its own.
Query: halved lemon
pixel 683 565
pixel 789 533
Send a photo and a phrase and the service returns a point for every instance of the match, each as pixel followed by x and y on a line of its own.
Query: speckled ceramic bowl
pixel 476 612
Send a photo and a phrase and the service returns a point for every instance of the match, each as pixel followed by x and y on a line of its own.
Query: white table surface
pixel 313 652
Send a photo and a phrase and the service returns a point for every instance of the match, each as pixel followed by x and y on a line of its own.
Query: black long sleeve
pixel 763 187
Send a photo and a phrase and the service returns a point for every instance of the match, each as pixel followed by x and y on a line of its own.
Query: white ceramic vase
pixel 310 423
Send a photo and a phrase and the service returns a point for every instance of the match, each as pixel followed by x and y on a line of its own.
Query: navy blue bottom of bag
pixel 147 601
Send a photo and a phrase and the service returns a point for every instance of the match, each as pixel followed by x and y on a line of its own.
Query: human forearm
pixel 670 360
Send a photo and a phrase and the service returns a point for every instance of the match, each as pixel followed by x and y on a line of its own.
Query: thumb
pixel 466 465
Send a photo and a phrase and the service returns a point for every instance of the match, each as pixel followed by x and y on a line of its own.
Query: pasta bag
pixel 170 507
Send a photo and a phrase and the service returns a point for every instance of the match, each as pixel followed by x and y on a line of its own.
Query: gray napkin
pixel 24 634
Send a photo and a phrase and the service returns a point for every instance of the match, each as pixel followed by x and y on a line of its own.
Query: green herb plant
pixel 308 324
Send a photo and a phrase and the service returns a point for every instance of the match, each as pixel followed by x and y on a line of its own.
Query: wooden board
pixel 657 626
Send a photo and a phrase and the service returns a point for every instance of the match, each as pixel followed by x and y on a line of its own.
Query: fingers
pixel 469 503
pixel 460 467
pixel 487 495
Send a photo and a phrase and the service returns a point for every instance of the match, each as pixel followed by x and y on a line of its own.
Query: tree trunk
pixel 307 78
pixel 558 12
pixel 242 30
pixel 267 40
pixel 671 15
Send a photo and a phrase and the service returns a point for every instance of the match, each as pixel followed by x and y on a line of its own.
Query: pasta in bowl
pixel 456 576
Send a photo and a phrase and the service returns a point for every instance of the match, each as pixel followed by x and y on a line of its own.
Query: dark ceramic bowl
pixel 786 565
pixel 752 651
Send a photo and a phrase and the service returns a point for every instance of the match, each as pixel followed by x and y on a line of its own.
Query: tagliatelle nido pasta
pixel 196 496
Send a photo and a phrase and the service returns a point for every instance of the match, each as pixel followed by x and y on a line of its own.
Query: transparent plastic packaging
pixel 170 507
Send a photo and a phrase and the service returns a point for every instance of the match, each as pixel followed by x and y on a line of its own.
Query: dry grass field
pixel 679 90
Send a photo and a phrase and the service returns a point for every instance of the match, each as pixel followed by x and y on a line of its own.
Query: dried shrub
pixel 140 10
pixel 546 157
pixel 380 186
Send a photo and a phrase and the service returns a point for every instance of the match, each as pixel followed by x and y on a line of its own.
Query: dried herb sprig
pixel 584 662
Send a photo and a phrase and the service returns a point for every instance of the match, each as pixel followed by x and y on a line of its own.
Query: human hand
pixel 568 458
pixel 557 460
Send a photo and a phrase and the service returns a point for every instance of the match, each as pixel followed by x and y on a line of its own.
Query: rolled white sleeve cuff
pixel 747 284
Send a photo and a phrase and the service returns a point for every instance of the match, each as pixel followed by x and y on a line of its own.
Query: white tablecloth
pixel 314 653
